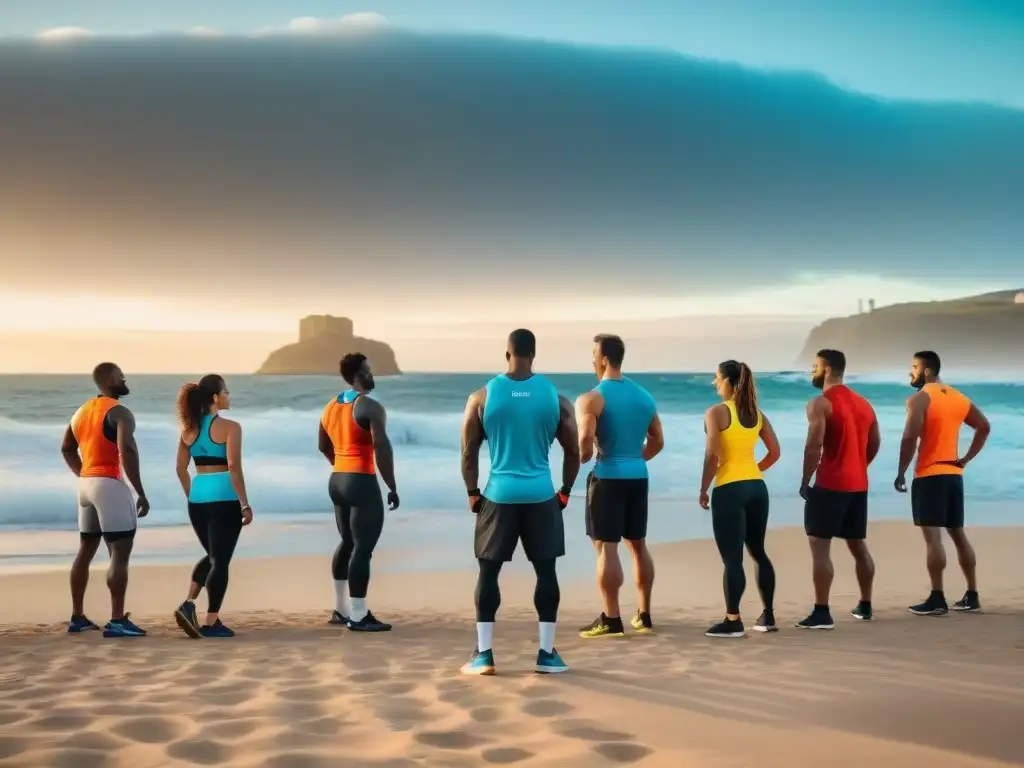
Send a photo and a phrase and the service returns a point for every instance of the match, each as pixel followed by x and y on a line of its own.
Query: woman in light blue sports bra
pixel 217 502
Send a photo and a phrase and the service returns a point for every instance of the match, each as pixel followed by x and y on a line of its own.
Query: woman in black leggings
pixel 217 503
pixel 739 502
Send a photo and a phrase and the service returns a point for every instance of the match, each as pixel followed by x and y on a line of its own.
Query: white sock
pixel 358 610
pixel 547 636
pixel 484 635
pixel 341 602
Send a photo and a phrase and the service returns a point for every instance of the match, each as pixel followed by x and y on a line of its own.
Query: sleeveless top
pixel 737 443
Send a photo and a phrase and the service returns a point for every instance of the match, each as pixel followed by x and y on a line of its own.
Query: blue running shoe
pixel 123 628
pixel 480 663
pixel 550 663
pixel 80 624
pixel 187 619
pixel 337 617
pixel 217 629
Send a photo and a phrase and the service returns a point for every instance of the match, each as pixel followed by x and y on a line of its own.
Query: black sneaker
pixel 820 618
pixel 969 602
pixel 603 626
pixel 862 611
pixel 935 605
pixel 642 623
pixel 727 628
pixel 369 623
pixel 766 622
pixel 337 617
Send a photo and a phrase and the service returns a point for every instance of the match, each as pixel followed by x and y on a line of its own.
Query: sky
pixel 479 164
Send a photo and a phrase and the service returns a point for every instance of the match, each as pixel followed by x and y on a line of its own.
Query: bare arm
pixel 655 439
pixel 234 445
pixel 817 416
pixel 874 441
pixel 712 449
pixel 568 437
pixel 69 450
pixel 325 445
pixel 977 421
pixel 181 467
pixel 128 448
pixel 587 410
pixel 472 439
pixel 917 405
pixel 374 412
pixel 771 442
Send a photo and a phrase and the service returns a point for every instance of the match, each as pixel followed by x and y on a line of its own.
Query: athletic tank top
pixel 737 444
pixel 844 454
pixel 520 421
pixel 353 445
pixel 97 438
pixel 940 438
pixel 204 451
pixel 622 429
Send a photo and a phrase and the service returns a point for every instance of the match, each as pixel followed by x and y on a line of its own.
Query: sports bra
pixel 204 451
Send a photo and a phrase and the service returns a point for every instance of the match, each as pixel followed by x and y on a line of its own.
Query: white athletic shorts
pixel 105 505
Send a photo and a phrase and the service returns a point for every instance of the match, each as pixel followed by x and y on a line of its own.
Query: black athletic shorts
pixel 938 501
pixel 616 508
pixel 500 528
pixel 836 514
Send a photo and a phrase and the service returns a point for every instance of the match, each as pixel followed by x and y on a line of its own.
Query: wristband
pixel 565 490
pixel 473 492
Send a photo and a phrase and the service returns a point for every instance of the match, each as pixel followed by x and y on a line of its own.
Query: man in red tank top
pixel 842 440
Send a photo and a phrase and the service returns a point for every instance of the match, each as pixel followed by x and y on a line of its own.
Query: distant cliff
pixel 974 332
pixel 323 341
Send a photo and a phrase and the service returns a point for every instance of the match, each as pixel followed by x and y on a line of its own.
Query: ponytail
pixel 196 400
pixel 741 379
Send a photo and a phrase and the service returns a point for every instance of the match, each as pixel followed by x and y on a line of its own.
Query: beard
pixel 818 382
pixel 121 390
pixel 918 383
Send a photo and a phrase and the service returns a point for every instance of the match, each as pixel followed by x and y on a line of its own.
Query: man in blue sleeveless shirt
pixel 519 414
pixel 620 416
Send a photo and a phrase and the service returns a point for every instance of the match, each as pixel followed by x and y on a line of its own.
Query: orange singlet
pixel 353 445
pixel 100 457
pixel 940 438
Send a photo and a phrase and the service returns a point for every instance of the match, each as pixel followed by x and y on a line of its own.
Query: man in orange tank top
pixel 354 440
pixel 934 417
pixel 98 441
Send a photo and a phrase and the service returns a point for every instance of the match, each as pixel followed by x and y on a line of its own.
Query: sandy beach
pixel 292 692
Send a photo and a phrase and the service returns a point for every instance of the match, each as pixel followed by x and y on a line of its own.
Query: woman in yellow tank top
pixel 739 501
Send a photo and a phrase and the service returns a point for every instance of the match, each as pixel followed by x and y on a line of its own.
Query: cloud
pixel 310 25
pixel 484 162
pixel 204 32
pixel 59 34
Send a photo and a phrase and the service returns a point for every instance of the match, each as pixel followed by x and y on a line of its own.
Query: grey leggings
pixel 359 513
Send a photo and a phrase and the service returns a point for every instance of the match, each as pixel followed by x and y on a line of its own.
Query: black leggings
pixel 739 516
pixel 546 594
pixel 359 513
pixel 218 525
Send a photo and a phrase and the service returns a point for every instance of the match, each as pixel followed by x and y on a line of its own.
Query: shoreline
pixel 430 539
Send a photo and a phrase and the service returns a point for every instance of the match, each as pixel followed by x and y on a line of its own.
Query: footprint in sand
pixel 11 746
pixel 75 758
pixel 231 729
pixel 505 755
pixel 150 730
pixel 622 753
pixel 547 708
pixel 454 739
pixel 578 729
pixel 308 694
pixel 300 760
pixel 485 714
pixel 63 720
pixel 200 752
